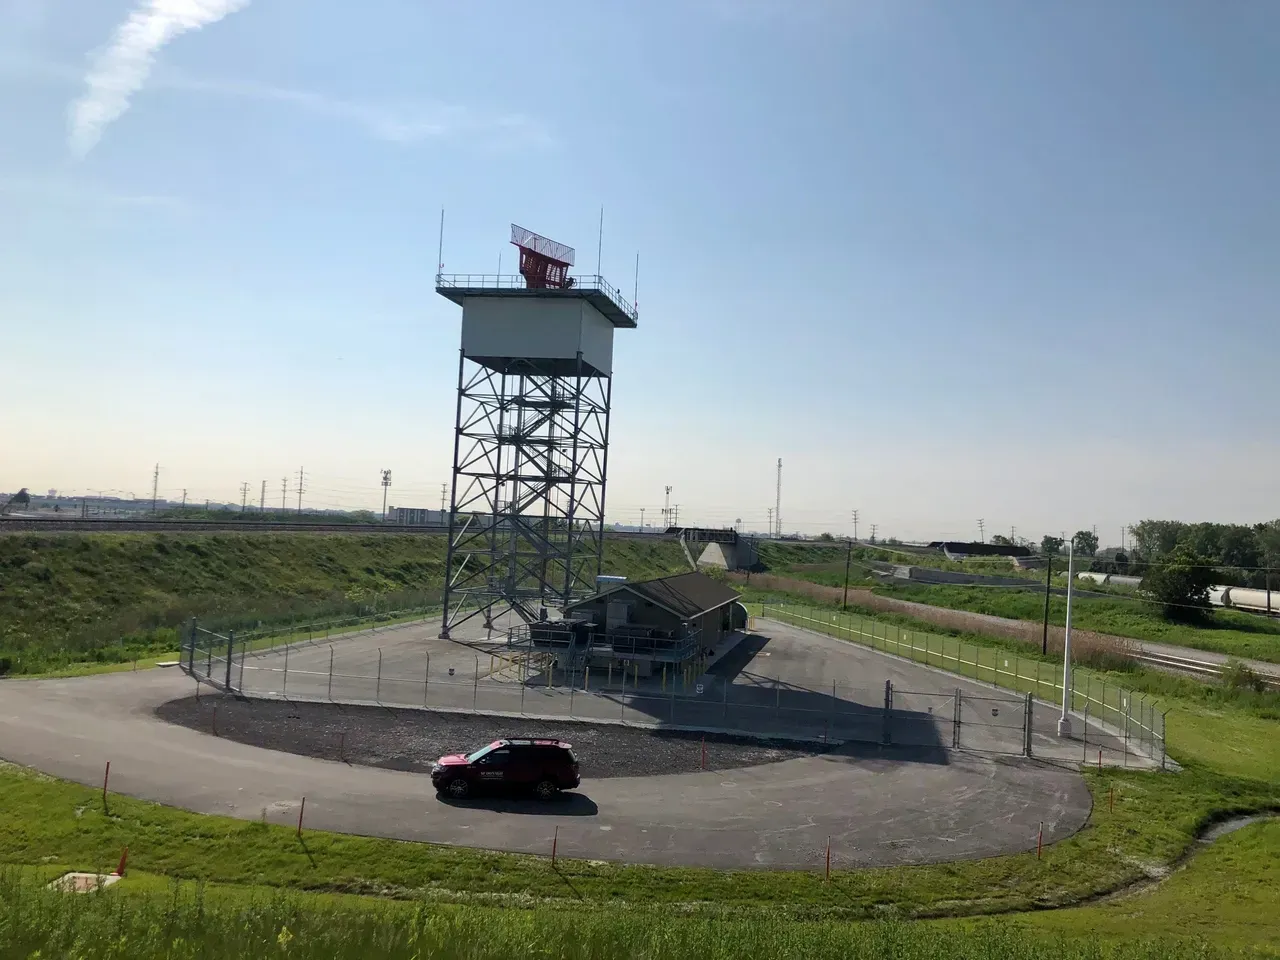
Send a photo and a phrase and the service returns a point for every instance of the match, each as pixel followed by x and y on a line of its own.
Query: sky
pixel 1002 260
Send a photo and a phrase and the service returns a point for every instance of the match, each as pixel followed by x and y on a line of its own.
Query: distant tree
pixel 1180 581
pixel 825 537
pixel 1086 542
pixel 1000 540
pixel 1153 538
pixel 1121 561
pixel 1050 545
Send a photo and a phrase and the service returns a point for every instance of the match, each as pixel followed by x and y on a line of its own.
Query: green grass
pixel 1228 893
pixel 145 921
pixel 101 599
pixel 1225 631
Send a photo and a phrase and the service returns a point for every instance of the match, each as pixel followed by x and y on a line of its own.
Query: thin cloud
pixel 404 122
pixel 68 190
pixel 123 67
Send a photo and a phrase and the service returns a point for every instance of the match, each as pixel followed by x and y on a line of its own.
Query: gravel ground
pixel 411 740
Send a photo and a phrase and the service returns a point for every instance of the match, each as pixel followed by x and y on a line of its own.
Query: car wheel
pixel 458 788
pixel 545 790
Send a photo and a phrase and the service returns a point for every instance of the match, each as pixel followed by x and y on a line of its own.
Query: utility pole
pixel 184 498
pixel 982 533
pixel 769 511
pixel 244 495
pixel 1013 534
pixel 386 482
pixel 301 476
pixel 1048 578
pixel 777 504
pixel 262 498
pixel 874 528
pixel 1064 722
pixel 848 557
pixel 642 519
pixel 444 499
pixel 666 509
pixel 675 514
pixel 855 525
pixel 284 493
pixel 155 487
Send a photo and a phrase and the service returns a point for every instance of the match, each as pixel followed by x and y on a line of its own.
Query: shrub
pixel 1180 582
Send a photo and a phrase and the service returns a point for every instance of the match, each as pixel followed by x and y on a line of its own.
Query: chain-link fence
pixel 500 683
pixel 1108 718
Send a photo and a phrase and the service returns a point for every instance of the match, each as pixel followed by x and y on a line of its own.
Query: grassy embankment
pixel 72 601
pixel 1231 632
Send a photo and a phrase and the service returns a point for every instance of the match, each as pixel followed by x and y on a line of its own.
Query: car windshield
pixel 483 751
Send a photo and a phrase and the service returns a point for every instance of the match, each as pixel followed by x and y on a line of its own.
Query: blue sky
pixel 997 259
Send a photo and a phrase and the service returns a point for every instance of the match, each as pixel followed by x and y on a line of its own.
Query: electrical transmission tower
pixel 262 498
pixel 244 495
pixel 855 525
pixel 301 477
pixel 982 535
pixel 386 483
pixel 155 487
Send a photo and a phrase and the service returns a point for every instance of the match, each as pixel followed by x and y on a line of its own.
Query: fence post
pixel 886 735
pixel 331 673
pixel 208 665
pixel 777 699
pixel 1027 717
pixel 1128 717
pixel 1162 750
pixel 426 681
pixel 244 652
pixel 955 729
pixel 284 689
pixel 191 662
pixel 231 655
pixel 377 690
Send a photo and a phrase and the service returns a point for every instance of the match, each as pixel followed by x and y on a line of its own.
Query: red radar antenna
pixel 543 263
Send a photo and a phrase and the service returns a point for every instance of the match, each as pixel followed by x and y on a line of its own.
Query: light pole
pixel 1064 722
pixel 386 482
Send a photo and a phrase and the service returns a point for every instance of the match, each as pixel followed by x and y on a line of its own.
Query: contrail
pixel 122 69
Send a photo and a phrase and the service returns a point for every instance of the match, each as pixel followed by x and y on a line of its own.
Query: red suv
pixel 544 766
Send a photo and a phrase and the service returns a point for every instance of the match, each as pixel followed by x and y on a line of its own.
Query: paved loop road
pixel 878 807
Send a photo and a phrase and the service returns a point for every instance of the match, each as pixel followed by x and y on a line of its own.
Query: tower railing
pixel 502 281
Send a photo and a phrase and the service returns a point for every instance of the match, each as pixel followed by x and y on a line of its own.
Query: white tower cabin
pixel 531 443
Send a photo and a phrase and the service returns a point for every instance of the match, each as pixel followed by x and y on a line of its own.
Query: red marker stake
pixel 105 777
pixel 555 840
pixel 301 810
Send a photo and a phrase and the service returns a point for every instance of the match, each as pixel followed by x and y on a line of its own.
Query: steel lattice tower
pixel 531 441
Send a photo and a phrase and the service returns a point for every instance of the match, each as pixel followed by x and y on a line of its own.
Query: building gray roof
pixel 684 594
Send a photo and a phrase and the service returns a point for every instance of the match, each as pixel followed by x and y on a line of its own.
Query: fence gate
pixel 210 657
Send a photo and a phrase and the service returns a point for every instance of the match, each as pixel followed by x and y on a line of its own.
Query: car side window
pixel 498 758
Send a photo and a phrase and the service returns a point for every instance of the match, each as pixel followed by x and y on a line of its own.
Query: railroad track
pixel 89 525
pixel 1203 669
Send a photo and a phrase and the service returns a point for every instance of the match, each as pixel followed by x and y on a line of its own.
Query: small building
pixel 679 619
